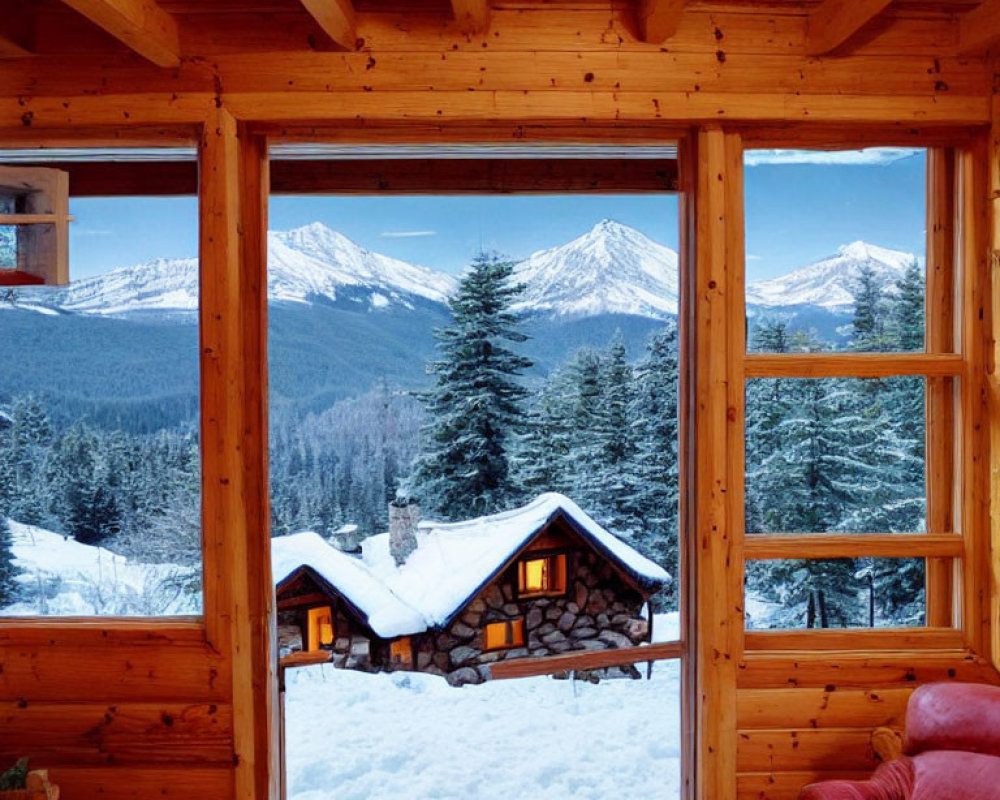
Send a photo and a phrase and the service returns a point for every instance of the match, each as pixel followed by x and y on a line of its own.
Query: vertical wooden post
pixel 719 344
pixel 687 157
pixel 994 378
pixel 239 614
pixel 941 435
pixel 973 173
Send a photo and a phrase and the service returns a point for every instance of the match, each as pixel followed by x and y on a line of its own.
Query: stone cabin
pixel 451 599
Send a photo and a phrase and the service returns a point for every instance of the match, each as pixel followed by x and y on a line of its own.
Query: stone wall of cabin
pixel 599 611
pixel 353 646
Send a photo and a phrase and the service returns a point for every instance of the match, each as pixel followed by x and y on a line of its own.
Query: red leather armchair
pixel 951 751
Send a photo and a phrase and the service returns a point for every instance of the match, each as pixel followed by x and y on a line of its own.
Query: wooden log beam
pixel 336 18
pixel 386 176
pixel 140 24
pixel 239 612
pixel 473 16
pixel 851 365
pixel 835 21
pixel 717 499
pixel 588 659
pixel 853 545
pixel 979 29
pixel 659 19
pixel 16 33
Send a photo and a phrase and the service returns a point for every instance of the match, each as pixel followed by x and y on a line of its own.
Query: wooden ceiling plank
pixel 336 18
pixel 473 16
pixel 979 29
pixel 140 24
pixel 659 19
pixel 833 22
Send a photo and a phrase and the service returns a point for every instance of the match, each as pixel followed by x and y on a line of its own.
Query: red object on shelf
pixel 951 750
pixel 17 277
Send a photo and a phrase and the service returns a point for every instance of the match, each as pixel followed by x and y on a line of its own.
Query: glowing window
pixel 540 576
pixel 401 652
pixel 320 627
pixel 499 635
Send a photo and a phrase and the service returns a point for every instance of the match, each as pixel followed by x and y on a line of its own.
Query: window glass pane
pixel 835 455
pixel 436 412
pixel 835 593
pixel 100 482
pixel 836 250
pixel 8 246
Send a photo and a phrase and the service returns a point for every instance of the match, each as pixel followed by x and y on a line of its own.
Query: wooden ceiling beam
pixel 979 29
pixel 473 16
pixel 16 33
pixel 659 19
pixel 336 18
pixel 140 24
pixel 833 22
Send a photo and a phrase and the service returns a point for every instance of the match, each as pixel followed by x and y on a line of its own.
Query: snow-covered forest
pixel 490 429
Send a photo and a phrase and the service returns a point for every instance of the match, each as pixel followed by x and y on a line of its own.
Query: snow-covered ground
pixel 60 576
pixel 355 736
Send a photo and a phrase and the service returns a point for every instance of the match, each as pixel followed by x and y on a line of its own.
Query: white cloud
pixel 406 234
pixel 92 231
pixel 876 156
pixel 752 257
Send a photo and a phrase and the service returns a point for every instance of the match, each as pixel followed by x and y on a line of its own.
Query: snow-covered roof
pixel 451 563
pixel 387 615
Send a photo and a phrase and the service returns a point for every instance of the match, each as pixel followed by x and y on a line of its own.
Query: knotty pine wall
pixel 181 709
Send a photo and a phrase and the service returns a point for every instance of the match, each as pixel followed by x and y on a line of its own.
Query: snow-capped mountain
pixel 611 269
pixel 303 264
pixel 828 283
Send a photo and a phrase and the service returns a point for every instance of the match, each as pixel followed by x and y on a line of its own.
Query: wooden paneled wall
pixel 181 709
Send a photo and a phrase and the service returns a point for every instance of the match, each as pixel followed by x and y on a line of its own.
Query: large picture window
pixel 100 464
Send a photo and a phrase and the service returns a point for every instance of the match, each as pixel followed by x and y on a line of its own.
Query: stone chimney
pixel 404 514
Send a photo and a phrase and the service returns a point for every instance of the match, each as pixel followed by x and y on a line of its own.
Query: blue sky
pixel 800 207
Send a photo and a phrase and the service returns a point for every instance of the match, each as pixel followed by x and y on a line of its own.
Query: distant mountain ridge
pixel 828 283
pixel 304 265
pixel 612 269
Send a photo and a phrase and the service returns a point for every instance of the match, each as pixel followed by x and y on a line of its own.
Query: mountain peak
pixel 611 269
pixel 829 282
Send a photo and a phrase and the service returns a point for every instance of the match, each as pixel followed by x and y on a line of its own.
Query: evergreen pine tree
pixel 869 312
pixel 8 572
pixel 907 314
pixel 475 409
pixel 655 428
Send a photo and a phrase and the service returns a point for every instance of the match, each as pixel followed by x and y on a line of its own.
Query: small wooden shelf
pixel 36 204
pixel 34 219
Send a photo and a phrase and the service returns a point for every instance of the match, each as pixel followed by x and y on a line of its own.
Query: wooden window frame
pixel 954 366
pixel 510 640
pixel 552 556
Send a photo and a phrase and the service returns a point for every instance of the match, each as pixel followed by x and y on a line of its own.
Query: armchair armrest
pixel 893 780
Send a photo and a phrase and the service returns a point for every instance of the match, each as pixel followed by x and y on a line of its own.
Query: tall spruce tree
pixel 475 409
pixel 8 572
pixel 655 430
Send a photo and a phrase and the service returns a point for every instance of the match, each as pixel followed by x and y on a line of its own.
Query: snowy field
pixel 355 736
pixel 60 576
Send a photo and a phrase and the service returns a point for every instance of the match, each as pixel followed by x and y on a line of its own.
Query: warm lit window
pixel 546 575
pixel 320 627
pixel 401 652
pixel 504 634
